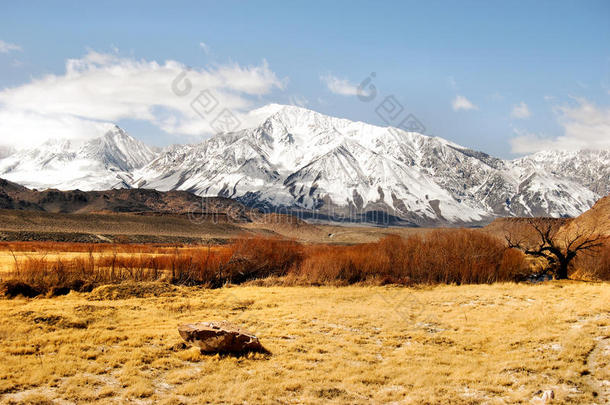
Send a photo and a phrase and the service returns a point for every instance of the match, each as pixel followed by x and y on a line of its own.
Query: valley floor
pixel 499 343
pixel 17 226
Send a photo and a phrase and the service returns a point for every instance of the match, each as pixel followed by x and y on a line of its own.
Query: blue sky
pixel 501 77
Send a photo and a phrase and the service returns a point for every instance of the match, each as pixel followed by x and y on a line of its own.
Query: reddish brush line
pixel 443 256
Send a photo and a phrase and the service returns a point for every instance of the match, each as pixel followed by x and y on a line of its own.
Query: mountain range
pixel 322 168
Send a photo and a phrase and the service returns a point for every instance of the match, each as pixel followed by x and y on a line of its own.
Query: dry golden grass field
pixel 470 344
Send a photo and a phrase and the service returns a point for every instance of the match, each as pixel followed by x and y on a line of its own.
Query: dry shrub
pixel 595 264
pixel 55 277
pixel 260 257
pixel 443 256
pixel 244 259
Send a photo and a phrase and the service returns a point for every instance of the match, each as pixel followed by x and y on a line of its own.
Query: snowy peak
pixel 327 168
pixel 99 163
pixel 118 150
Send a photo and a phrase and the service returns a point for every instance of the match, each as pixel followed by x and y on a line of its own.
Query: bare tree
pixel 545 238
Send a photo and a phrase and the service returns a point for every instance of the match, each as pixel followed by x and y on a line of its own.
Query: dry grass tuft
pixel 132 290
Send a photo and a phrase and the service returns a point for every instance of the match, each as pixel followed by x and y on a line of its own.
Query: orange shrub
pixel 442 256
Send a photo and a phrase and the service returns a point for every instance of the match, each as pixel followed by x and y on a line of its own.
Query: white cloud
pixel 21 128
pixel 103 88
pixel 339 86
pixel 462 103
pixel 6 47
pixel 520 111
pixel 585 125
pixel 204 47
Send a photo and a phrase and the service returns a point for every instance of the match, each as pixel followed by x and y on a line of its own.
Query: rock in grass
pixel 544 397
pixel 220 337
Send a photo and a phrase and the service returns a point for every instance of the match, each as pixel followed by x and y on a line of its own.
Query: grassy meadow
pixel 499 343
pixel 404 321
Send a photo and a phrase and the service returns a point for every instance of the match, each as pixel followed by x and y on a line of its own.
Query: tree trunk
pixel 562 271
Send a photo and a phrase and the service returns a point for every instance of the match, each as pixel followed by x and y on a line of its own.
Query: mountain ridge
pixel 135 201
pixel 300 161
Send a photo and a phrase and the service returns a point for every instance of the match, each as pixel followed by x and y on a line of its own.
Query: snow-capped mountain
pixel 296 160
pixel 301 160
pixel 101 163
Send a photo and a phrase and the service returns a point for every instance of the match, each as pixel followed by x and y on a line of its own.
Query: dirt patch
pixel 53 320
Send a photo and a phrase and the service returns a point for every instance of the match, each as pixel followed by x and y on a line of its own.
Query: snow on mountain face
pixel 101 163
pixel 300 161
pixel 589 167
pixel 117 150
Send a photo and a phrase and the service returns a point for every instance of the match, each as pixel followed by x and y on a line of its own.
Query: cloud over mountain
pixel 462 103
pixel 585 126
pixel 339 86
pixel 100 88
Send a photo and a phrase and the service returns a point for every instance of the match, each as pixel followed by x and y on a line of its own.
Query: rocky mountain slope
pixel 298 161
pixel 142 201
pixel 591 168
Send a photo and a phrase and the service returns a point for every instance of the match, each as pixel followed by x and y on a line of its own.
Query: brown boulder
pixel 220 337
